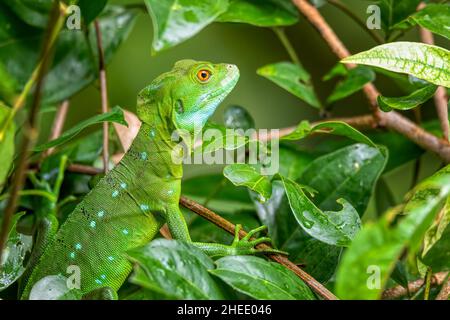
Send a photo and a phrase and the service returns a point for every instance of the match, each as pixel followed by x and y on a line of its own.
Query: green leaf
pixel 394 11
pixel 115 115
pixel 408 102
pixel 175 269
pixel 426 62
pixel 332 127
pixel 16 248
pixel 35 13
pixel 335 228
pixel 434 17
pixel 265 13
pixel 436 252
pixel 355 80
pixel 377 247
pixel 261 279
pixel 241 174
pixel 350 173
pixel 338 70
pixel 216 137
pixel 91 9
pixel 175 21
pixel 6 145
pixel 75 63
pixel 292 78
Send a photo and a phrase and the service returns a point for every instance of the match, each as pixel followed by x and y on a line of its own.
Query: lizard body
pixel 128 206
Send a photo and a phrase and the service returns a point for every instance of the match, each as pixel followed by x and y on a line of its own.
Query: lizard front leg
pixel 245 246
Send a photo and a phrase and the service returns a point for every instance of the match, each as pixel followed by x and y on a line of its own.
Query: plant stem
pixel 281 34
pixel 58 125
pixel 31 130
pixel 428 276
pixel 230 228
pixel 104 95
pixel 338 4
pixel 391 120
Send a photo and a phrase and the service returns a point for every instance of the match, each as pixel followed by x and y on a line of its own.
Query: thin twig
pixel 79 168
pixel 375 36
pixel 399 291
pixel 31 129
pixel 104 94
pixel 281 34
pixel 392 120
pixel 428 276
pixel 58 125
pixel 440 97
pixel 230 228
pixel 444 294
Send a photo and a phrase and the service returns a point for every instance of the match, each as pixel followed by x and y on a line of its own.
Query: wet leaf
pixel 115 115
pixel 261 279
pixel 17 246
pixel 292 78
pixel 91 9
pixel 350 173
pixel 408 102
pixel 175 21
pixel 175 269
pixel 75 63
pixel 335 228
pixel 426 62
pixel 377 247
pixel 241 174
pixel 261 13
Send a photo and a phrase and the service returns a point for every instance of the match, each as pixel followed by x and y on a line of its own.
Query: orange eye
pixel 203 75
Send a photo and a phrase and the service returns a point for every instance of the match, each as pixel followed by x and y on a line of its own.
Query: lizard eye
pixel 203 75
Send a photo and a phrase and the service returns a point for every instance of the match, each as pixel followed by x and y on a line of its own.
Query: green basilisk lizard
pixel 129 205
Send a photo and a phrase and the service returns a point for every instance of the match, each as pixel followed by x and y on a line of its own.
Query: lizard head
pixel 192 91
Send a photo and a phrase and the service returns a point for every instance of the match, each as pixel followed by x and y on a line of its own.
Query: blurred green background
pixel 133 67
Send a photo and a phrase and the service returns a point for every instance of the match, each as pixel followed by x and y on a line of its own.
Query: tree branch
pixel 399 291
pixel 31 128
pixel 104 94
pixel 392 120
pixel 230 228
pixel 445 290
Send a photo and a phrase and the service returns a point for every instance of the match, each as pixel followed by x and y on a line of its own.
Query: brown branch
pixel 230 228
pixel 440 97
pixel 104 94
pixel 399 291
pixel 444 294
pixel 79 168
pixel 58 125
pixel 392 120
pixel 31 126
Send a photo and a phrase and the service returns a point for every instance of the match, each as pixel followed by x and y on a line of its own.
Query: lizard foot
pixel 247 245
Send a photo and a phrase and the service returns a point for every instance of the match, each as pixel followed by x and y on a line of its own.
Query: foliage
pixel 330 204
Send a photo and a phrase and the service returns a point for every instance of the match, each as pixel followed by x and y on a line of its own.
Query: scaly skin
pixel 128 206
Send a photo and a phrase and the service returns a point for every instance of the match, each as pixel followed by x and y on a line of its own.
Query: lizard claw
pixel 246 245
